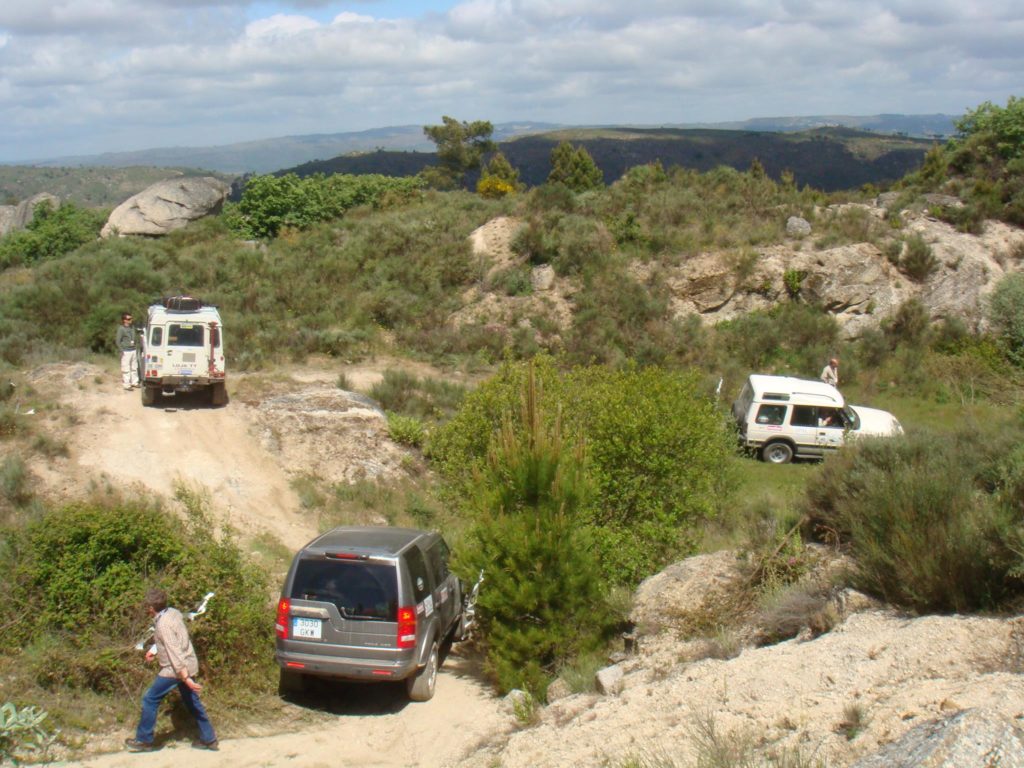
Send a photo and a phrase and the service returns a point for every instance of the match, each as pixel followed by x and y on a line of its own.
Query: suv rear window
pixel 185 335
pixel 359 589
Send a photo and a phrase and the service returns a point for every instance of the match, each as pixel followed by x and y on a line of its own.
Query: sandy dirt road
pixel 184 440
pixel 366 726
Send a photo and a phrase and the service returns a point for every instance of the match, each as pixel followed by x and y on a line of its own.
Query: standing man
pixel 129 355
pixel 178 665
pixel 830 373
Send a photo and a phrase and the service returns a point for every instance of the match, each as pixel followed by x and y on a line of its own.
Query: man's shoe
pixel 134 745
pixel 213 746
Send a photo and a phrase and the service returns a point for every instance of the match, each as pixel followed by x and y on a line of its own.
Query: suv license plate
pixel 310 629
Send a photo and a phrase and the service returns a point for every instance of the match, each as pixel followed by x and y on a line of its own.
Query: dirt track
pixel 184 440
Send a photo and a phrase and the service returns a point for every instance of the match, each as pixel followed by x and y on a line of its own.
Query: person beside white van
pixel 830 373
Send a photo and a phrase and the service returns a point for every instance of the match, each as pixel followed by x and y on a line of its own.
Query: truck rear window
pixel 185 335
pixel 359 589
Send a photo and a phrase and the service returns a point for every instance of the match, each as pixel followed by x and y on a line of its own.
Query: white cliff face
pixel 166 206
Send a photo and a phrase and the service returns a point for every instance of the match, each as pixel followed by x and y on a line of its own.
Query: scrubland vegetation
pixel 578 468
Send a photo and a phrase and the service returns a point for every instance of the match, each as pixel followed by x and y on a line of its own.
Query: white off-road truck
pixel 182 350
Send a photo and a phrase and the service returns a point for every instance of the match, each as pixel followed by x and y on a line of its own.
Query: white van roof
pixel 160 314
pixel 791 388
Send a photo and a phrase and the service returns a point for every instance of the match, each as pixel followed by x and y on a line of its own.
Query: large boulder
pixel 166 206
pixel 15 217
pixel 973 738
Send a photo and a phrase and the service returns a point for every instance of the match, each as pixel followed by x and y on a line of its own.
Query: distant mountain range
pixel 269 155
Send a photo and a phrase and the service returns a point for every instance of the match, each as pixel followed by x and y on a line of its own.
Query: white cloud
pixel 113 74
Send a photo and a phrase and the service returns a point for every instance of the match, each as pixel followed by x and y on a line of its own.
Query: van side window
pixel 418 573
pixel 771 414
pixel 830 417
pixel 156 336
pixel 804 416
pixel 437 556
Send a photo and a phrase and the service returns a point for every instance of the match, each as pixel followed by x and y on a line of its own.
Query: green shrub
pixel 15 481
pixel 542 600
pixel 1006 314
pixel 77 574
pixel 270 203
pixel 918 261
pixel 655 447
pixel 406 430
pixel 51 234
pixel 22 731
pixel 922 518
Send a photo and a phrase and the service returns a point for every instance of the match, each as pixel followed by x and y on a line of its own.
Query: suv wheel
pixel 777 453
pixel 149 395
pixel 291 683
pixel 421 685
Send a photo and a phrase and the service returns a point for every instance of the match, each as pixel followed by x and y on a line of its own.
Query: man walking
pixel 129 355
pixel 178 666
pixel 830 373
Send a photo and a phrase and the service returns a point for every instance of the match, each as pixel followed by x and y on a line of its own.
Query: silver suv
pixel 370 604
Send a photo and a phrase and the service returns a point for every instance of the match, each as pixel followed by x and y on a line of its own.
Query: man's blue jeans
pixel 151 703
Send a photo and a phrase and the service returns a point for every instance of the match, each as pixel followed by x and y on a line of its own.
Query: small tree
pixel 499 178
pixel 460 148
pixel 575 168
pixel 1006 314
pixel 542 601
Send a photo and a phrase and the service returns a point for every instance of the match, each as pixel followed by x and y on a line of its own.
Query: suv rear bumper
pixel 348 668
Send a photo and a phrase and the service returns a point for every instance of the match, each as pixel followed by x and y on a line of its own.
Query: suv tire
pixel 149 395
pixel 291 683
pixel 777 453
pixel 420 686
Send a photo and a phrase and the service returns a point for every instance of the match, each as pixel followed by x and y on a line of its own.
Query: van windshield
pixel 851 419
pixel 359 589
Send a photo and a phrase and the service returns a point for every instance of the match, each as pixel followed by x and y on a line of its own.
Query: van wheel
pixel 148 395
pixel 777 453
pixel 421 685
pixel 218 394
pixel 291 683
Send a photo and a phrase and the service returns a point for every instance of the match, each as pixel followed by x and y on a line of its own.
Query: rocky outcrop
pixel 974 738
pixel 15 217
pixel 857 283
pixel 339 436
pixel 166 206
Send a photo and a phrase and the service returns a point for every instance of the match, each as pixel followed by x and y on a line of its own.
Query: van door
pixel 188 350
pixel 803 428
pixel 447 596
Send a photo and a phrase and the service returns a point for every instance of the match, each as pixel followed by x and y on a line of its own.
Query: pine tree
pixel 575 168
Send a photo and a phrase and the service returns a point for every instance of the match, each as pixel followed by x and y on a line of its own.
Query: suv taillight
pixel 407 627
pixel 281 625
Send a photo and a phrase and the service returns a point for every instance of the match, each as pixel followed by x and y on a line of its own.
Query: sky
pixel 90 76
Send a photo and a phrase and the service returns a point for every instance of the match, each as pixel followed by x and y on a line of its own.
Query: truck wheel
pixel 218 394
pixel 777 453
pixel 148 395
pixel 420 686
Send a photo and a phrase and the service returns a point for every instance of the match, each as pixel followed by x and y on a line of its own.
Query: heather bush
pixel 928 521
pixel 1006 314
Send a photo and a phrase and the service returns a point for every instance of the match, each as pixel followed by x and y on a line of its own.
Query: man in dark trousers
pixel 178 667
